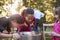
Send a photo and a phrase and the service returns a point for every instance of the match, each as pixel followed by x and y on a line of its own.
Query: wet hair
pixel 57 11
pixel 29 11
pixel 5 24
pixel 24 12
pixel 16 17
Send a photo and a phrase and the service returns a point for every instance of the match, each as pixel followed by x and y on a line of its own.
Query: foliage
pixel 7 6
pixel 43 6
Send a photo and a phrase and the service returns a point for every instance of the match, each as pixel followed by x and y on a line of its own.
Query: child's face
pixel 29 17
pixel 14 24
pixel 56 16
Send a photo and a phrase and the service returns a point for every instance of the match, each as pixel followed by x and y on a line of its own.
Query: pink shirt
pixel 57 30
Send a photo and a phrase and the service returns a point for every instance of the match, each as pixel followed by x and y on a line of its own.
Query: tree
pixel 8 6
pixel 42 5
pixel 57 3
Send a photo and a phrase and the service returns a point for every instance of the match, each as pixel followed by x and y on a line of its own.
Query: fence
pixel 44 32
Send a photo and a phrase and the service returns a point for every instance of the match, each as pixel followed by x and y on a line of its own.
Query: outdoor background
pixel 46 6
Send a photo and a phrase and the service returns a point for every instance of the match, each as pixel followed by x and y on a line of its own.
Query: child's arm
pixel 15 35
pixel 53 34
pixel 25 24
pixel 5 35
pixel 32 24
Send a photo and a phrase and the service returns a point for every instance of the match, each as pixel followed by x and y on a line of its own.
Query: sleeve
pixel 34 22
pixel 19 29
pixel 56 28
pixel 1 28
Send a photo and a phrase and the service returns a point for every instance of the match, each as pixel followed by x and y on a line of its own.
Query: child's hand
pixel 16 36
pixel 5 32
pixel 11 32
pixel 48 33
pixel 32 24
pixel 25 25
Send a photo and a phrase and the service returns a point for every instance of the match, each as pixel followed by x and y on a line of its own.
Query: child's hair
pixel 57 11
pixel 23 12
pixel 5 23
pixel 29 11
pixel 16 17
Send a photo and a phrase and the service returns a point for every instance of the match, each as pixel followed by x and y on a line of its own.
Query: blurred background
pixel 10 7
pixel 46 6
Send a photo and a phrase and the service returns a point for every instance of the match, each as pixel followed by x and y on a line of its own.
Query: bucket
pixel 30 36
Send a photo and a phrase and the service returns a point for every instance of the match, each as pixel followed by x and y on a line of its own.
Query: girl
pixel 57 24
pixel 5 25
pixel 56 30
pixel 18 22
pixel 28 18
